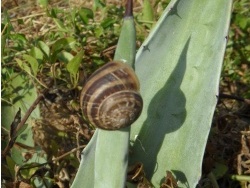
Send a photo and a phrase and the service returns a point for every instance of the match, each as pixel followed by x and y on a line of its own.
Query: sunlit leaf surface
pixel 179 68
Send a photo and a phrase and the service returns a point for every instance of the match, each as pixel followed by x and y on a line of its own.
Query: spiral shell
pixel 110 99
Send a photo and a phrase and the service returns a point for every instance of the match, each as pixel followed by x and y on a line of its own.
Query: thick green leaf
pixel 127 38
pixel 86 172
pixel 179 69
pixel 109 142
pixel 104 160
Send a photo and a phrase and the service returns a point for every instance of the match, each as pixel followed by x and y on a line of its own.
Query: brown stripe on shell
pixel 113 71
pixel 108 87
pixel 110 65
pixel 95 101
pixel 97 79
pixel 112 77
pixel 119 110
pixel 92 83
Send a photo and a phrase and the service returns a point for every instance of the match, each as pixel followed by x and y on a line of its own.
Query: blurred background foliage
pixel 235 74
pixel 40 43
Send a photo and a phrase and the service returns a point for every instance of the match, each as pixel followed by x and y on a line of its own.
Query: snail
pixel 110 98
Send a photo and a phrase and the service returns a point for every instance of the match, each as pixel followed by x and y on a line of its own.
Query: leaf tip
pixel 129 9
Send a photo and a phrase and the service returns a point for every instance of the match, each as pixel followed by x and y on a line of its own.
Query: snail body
pixel 110 99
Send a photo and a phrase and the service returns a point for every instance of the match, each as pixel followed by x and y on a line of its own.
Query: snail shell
pixel 110 99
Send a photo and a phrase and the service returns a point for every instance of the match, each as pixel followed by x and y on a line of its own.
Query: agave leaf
pixel 179 68
pixel 85 175
pixel 112 146
pixel 104 160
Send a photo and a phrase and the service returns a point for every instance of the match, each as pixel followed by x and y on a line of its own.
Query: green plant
pixel 42 69
pixel 179 74
pixel 236 63
pixel 169 63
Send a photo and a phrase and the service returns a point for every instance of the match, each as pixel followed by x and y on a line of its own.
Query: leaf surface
pixel 179 68
pixel 105 159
